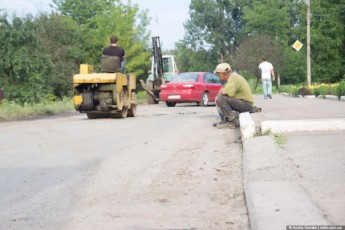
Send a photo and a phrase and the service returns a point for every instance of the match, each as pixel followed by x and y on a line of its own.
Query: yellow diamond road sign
pixel 297 45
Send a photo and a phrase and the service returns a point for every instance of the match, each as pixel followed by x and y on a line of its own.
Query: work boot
pixel 221 118
pixel 226 125
pixel 216 123
pixel 232 116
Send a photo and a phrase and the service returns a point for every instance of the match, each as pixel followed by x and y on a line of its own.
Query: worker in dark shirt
pixel 113 58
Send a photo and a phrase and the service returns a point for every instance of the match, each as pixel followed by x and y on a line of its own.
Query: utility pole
pixel 308 44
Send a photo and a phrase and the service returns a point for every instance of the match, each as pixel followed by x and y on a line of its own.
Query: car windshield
pixel 186 77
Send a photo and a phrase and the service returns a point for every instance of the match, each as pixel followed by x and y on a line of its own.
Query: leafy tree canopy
pixel 101 19
pixel 215 24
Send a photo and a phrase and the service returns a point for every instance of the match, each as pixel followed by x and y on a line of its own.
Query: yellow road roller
pixel 101 95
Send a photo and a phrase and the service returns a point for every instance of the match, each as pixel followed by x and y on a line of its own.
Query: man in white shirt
pixel 267 75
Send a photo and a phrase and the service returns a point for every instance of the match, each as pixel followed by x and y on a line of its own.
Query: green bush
pixel 325 90
pixel 293 90
pixel 316 89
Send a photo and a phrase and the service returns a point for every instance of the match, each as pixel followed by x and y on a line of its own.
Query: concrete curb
pixel 247 126
pixel 330 97
pixel 281 126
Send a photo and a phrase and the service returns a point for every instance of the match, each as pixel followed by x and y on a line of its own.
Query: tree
pixel 251 52
pixel 194 60
pixel 82 11
pixel 266 22
pixel 60 38
pixel 40 55
pixel 285 21
pixel 100 19
pixel 215 24
pixel 268 18
pixel 328 40
pixel 24 65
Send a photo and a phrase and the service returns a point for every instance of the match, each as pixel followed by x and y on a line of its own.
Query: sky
pixel 167 16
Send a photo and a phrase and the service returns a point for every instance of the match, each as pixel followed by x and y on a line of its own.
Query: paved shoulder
pixel 294 183
pixel 273 196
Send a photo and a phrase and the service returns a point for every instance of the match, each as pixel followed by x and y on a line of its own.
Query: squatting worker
pixel 234 97
pixel 111 53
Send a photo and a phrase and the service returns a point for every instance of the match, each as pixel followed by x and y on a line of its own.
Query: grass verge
pixel 13 111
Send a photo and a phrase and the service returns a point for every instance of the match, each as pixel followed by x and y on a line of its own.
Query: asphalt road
pixel 166 168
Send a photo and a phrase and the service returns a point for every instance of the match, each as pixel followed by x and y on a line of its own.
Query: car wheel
pixel 204 99
pixel 171 104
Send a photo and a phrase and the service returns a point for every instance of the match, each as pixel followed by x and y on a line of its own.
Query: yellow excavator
pixel 101 95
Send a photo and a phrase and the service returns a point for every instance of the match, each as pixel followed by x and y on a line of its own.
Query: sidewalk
pixel 295 175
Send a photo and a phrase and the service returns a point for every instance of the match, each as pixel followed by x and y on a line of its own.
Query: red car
pixel 199 87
